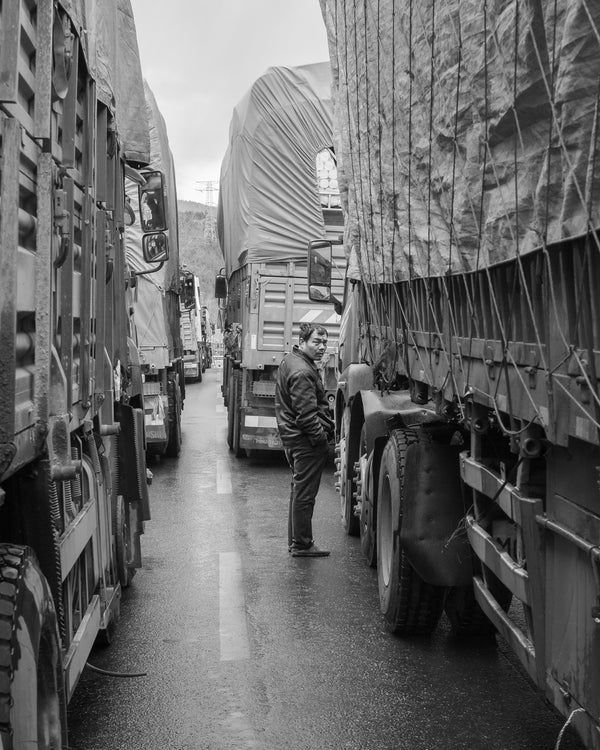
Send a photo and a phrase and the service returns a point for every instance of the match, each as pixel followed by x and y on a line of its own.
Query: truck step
pixel 519 642
pixel 524 577
pixel 498 560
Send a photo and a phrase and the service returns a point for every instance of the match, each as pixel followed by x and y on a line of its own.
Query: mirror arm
pixel 134 175
pixel 152 270
pixel 337 304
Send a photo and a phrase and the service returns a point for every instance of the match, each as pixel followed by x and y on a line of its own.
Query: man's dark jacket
pixel 300 402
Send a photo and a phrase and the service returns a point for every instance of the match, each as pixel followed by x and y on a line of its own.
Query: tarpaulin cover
pixel 156 318
pixel 110 48
pixel 466 133
pixel 132 124
pixel 269 206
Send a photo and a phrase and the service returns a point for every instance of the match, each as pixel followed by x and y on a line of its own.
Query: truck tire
pixel 122 541
pixel 466 616
pixel 238 451
pixel 409 604
pixel 32 699
pixel 174 426
pixel 350 521
pixel 230 405
pixel 367 520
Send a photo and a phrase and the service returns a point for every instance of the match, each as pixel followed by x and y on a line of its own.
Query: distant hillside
pixel 190 206
pixel 199 247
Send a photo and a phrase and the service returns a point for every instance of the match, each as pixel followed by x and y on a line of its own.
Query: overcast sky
pixel 201 56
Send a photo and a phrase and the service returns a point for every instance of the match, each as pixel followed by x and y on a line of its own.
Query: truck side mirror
pixel 152 203
pixel 155 247
pixel 319 270
pixel 220 286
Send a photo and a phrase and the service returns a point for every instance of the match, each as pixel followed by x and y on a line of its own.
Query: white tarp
pixel 155 316
pixel 466 133
pixel 269 206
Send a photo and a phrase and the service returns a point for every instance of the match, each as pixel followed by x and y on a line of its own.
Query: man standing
pixel 305 428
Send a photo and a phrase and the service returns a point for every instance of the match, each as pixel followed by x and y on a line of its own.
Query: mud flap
pixel 133 484
pixel 432 532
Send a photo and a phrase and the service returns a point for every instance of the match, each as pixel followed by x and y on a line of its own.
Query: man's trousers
pixel 307 463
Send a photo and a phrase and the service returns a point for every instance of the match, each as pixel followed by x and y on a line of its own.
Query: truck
pixel 156 304
pixel 467 404
pixel 206 333
pixel 191 325
pixel 73 478
pixel 278 185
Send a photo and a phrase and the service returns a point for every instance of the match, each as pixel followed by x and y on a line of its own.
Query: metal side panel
pixel 573 596
pixel 9 51
pixel 77 536
pixel 9 240
pixel 81 645
pixel 274 325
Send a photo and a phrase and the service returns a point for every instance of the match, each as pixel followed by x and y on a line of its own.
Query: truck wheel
pixel 32 699
pixel 466 616
pixel 364 484
pixel 347 487
pixel 226 385
pixel 230 404
pixel 122 541
pixel 238 451
pixel 408 604
pixel 174 394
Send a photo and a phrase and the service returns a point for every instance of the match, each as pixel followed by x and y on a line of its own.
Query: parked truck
pixel 278 186
pixel 191 325
pixel 73 480
pixel 206 333
pixel 156 298
pixel 468 406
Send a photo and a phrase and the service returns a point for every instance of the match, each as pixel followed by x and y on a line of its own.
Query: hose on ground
pixel 108 673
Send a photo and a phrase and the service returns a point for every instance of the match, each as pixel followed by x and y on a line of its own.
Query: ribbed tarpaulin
pixel 466 132
pixel 269 206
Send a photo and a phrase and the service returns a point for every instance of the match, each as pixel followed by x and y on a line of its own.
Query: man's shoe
pixel 312 551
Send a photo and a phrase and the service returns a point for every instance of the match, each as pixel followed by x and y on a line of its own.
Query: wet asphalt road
pixel 246 647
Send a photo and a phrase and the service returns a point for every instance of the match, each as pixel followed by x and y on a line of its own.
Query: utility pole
pixel 209 188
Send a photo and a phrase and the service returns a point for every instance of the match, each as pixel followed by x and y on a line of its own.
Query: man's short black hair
pixel 307 330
